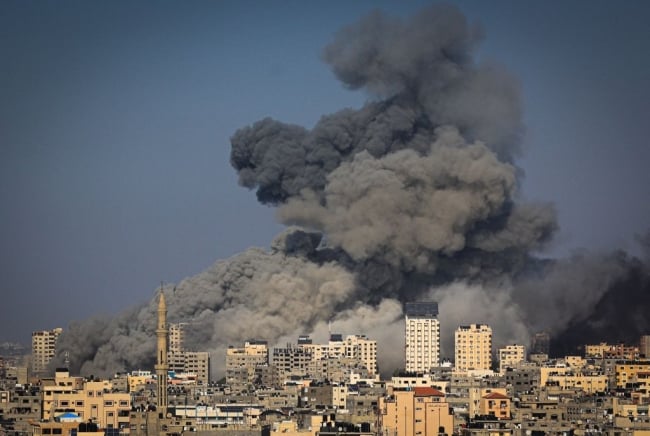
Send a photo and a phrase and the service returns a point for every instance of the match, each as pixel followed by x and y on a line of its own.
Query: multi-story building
pixel 590 383
pixel 422 336
pixel 522 378
pixel 323 396
pixel 291 361
pixel 357 347
pixel 183 361
pixel 43 348
pixel 612 351
pixel 511 355
pixel 242 362
pixel 337 361
pixel 540 343
pixel 90 400
pixel 176 337
pixel 644 346
pixel 198 363
pixel 138 380
pixel 417 411
pixel 495 404
pixel 473 348
pixel 626 371
pixel 18 408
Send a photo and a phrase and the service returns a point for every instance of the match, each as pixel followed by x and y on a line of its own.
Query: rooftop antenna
pixel 66 360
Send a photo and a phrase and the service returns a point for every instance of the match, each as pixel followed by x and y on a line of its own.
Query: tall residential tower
pixel 422 336
pixel 43 348
pixel 473 348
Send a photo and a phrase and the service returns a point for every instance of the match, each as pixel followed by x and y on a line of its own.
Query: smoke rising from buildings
pixel 412 196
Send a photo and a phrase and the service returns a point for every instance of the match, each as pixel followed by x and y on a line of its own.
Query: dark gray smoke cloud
pixel 412 196
pixel 424 75
pixel 418 187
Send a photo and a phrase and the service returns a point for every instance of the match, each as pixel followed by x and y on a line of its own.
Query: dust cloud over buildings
pixel 413 196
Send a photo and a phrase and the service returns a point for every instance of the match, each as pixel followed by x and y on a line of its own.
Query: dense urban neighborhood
pixel 336 388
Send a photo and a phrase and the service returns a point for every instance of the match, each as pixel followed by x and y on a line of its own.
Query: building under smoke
pixel 422 336
pixel 413 196
pixel 540 343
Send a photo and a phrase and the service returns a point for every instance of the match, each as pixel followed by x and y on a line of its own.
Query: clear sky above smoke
pixel 115 122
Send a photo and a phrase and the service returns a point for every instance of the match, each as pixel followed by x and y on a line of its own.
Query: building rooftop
pixel 423 308
pixel 427 392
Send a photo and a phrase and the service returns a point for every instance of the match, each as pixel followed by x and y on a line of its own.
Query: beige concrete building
pixel 421 336
pixel 91 400
pixel 176 337
pixel 589 383
pixel 242 362
pixel 198 363
pixel 548 371
pixel 628 371
pixel 337 361
pixel 340 353
pixel 495 404
pixel 291 361
pixel 575 362
pixel 609 351
pixel 44 348
pixel 510 355
pixel 473 348
pixel 417 411
pixel 137 380
pixel 355 347
pixel 186 362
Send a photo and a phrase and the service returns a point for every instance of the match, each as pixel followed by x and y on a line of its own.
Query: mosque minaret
pixel 161 362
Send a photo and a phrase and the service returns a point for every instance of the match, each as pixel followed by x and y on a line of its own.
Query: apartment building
pixel 43 348
pixel 417 411
pixel 176 337
pixel 612 351
pixel 291 361
pixel 94 401
pixel 242 362
pixel 473 348
pixel 422 336
pixel 355 347
pixel 183 361
pixel 510 355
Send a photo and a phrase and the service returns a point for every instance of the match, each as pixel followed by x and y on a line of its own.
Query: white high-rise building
pixel 422 336
pixel 44 348
pixel 473 347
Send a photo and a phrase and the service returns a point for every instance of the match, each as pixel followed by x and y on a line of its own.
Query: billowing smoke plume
pixel 413 196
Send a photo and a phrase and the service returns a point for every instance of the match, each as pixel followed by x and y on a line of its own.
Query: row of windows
pixel 80 403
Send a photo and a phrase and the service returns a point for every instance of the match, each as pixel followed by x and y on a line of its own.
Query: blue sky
pixel 115 119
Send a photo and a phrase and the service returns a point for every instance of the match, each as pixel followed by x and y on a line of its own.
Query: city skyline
pixel 115 168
